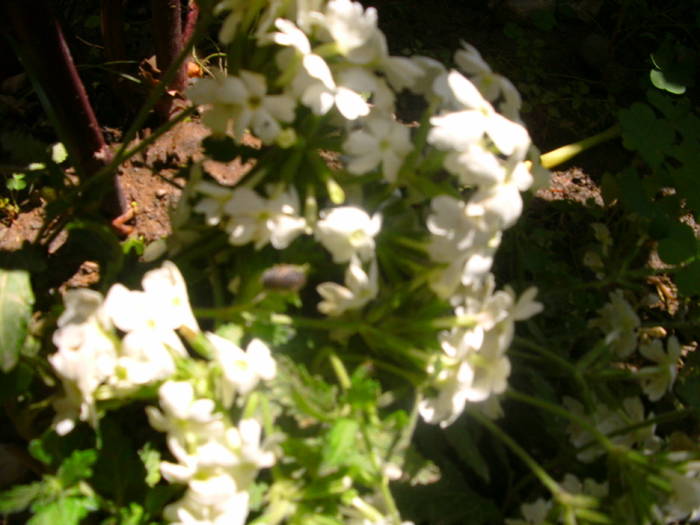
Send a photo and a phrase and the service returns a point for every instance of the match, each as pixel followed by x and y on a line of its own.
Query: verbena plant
pixel 274 366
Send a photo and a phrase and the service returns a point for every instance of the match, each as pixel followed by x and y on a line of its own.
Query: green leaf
pixel 340 442
pixel 688 279
pixel 17 182
pixel 58 153
pixel 150 457
pixel 78 466
pixel 66 511
pixel 159 496
pixel 660 81
pixel 119 472
pixel 646 134
pixel 448 501
pixel 18 498
pixel 689 391
pixel 679 246
pixel 632 194
pixel 15 382
pixel 52 449
pixel 16 300
pixel 464 438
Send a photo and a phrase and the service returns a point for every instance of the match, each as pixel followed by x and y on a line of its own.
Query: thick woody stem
pixel 167 37
pixel 112 26
pixel 48 62
pixel 190 21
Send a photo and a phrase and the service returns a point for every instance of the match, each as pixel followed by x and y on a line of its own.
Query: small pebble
pixel 161 192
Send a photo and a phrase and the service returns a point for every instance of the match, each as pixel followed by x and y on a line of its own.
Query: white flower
pixel 145 356
pixel 242 370
pixel 258 220
pixel 162 307
pixel 82 305
pixel 491 85
pixel 658 379
pixel 429 70
pixel 259 111
pixel 290 35
pixel 620 324
pixel 319 91
pixel 589 487
pixel 246 441
pixel 212 205
pixel 450 400
pixel 190 510
pixel 534 513
pixel 382 141
pixel 473 368
pixel 314 83
pixel 359 289
pixel 475 117
pixel 86 357
pixel 684 499
pixel 498 206
pixel 243 100
pixel 183 415
pixel 353 29
pixel 346 231
pixel 609 421
pixel 167 284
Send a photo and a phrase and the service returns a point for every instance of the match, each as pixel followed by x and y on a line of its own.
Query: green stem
pixel 384 481
pixel 340 372
pixel 403 438
pixel 535 467
pixel 560 155
pixel 566 414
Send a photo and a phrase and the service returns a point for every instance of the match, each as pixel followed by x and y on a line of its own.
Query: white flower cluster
pixel 332 59
pixel 94 362
pixel 473 365
pixel 110 347
pixel 217 460
pixel 347 232
pixel 683 502
pixel 621 325
pixel 608 421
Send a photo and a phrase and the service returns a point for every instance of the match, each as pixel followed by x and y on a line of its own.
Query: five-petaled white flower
pixel 381 141
pixel 346 231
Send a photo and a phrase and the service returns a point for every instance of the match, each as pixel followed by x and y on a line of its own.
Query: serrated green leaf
pixel 66 511
pixel 16 301
pixel 19 498
pixel 340 442
pixel 77 466
pixel 646 134
pixel 679 245
pixel 632 194
pixel 150 457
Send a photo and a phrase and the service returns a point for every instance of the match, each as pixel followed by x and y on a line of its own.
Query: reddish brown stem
pixel 112 26
pixel 167 37
pixel 45 55
pixel 48 61
pixel 190 21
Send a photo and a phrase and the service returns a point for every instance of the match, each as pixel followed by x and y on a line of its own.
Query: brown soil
pixel 151 182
